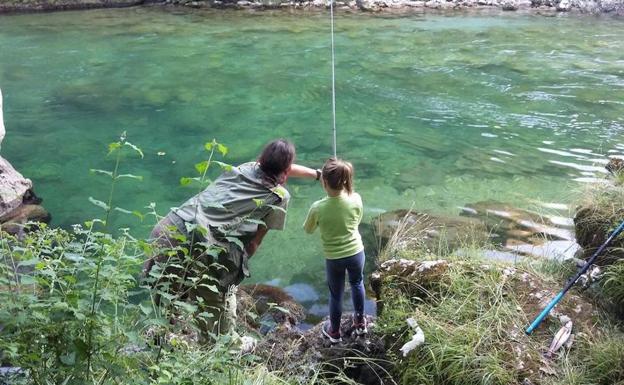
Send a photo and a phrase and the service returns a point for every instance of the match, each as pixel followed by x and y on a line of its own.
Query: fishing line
pixel 333 58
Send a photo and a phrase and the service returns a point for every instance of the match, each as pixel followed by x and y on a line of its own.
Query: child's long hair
pixel 338 174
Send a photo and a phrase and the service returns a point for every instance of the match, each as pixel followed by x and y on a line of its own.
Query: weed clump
pixel 611 287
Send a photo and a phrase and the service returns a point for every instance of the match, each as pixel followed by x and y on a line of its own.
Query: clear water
pixel 433 110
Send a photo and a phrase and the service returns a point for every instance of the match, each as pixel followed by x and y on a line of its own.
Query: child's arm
pixel 311 222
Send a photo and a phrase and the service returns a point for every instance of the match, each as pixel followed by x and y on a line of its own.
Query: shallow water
pixel 433 110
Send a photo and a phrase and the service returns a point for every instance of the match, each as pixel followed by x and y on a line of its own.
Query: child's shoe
pixel 361 327
pixel 334 337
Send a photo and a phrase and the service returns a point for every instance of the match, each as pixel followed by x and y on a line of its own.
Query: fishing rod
pixel 333 65
pixel 573 280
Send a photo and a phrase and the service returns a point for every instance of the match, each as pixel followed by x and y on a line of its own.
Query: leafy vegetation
pixel 74 308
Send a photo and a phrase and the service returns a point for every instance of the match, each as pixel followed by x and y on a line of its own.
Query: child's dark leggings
pixel 354 265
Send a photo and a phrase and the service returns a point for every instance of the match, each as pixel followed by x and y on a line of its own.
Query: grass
pixel 474 312
pixel 612 287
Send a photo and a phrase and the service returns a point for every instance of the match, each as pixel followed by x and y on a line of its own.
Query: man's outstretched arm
pixel 299 171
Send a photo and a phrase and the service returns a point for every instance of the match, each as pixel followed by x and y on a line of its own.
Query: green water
pixel 433 110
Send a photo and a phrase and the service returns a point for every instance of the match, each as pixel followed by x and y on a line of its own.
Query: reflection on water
pixel 435 111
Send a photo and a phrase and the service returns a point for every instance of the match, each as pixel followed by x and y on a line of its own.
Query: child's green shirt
pixel 337 219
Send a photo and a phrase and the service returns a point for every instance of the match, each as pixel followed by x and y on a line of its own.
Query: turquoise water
pixel 433 110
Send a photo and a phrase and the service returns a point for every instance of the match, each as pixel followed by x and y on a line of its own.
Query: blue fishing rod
pixel 573 280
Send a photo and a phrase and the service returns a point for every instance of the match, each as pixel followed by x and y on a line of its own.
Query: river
pixel 434 110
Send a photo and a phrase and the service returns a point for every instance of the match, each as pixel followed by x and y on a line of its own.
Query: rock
pixel 435 4
pixel 615 6
pixel 2 130
pixel 264 307
pixel 564 6
pixel 426 231
pixel 615 165
pixel 420 277
pixel 509 5
pixel 52 5
pixel 14 221
pixel 303 354
pixel 13 187
pixel 592 224
pixel 510 225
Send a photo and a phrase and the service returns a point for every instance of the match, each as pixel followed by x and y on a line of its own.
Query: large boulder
pixel 18 203
pixel 13 188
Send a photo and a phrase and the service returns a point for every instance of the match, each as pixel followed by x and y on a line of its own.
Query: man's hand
pixel 255 242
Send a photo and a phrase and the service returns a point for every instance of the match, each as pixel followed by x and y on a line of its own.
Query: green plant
pixel 72 310
pixel 612 285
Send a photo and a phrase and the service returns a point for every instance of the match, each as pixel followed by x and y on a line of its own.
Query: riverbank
pixel 584 6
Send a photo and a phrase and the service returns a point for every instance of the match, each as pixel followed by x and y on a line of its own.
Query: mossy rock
pixel 594 223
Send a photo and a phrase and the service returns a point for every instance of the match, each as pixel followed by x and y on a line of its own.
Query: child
pixel 337 216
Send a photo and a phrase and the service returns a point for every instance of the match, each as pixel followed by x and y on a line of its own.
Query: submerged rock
pixel 264 307
pixel 426 231
pixel 526 232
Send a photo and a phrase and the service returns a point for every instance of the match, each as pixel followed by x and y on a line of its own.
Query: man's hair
pixel 276 158
pixel 338 174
